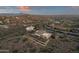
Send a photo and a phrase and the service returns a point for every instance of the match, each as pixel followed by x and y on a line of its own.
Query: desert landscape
pixel 28 33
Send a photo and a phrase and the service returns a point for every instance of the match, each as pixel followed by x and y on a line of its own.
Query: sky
pixel 41 10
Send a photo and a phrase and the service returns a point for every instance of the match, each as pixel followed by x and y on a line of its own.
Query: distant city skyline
pixel 42 10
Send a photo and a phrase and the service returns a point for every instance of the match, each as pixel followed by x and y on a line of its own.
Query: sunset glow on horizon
pixel 24 8
pixel 41 10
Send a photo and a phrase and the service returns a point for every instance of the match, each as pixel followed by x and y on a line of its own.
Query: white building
pixel 43 34
pixel 30 28
pixel 46 35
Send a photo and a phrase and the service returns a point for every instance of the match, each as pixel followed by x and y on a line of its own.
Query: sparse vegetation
pixel 64 30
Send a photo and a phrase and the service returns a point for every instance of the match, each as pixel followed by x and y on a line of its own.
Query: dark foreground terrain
pixel 39 34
